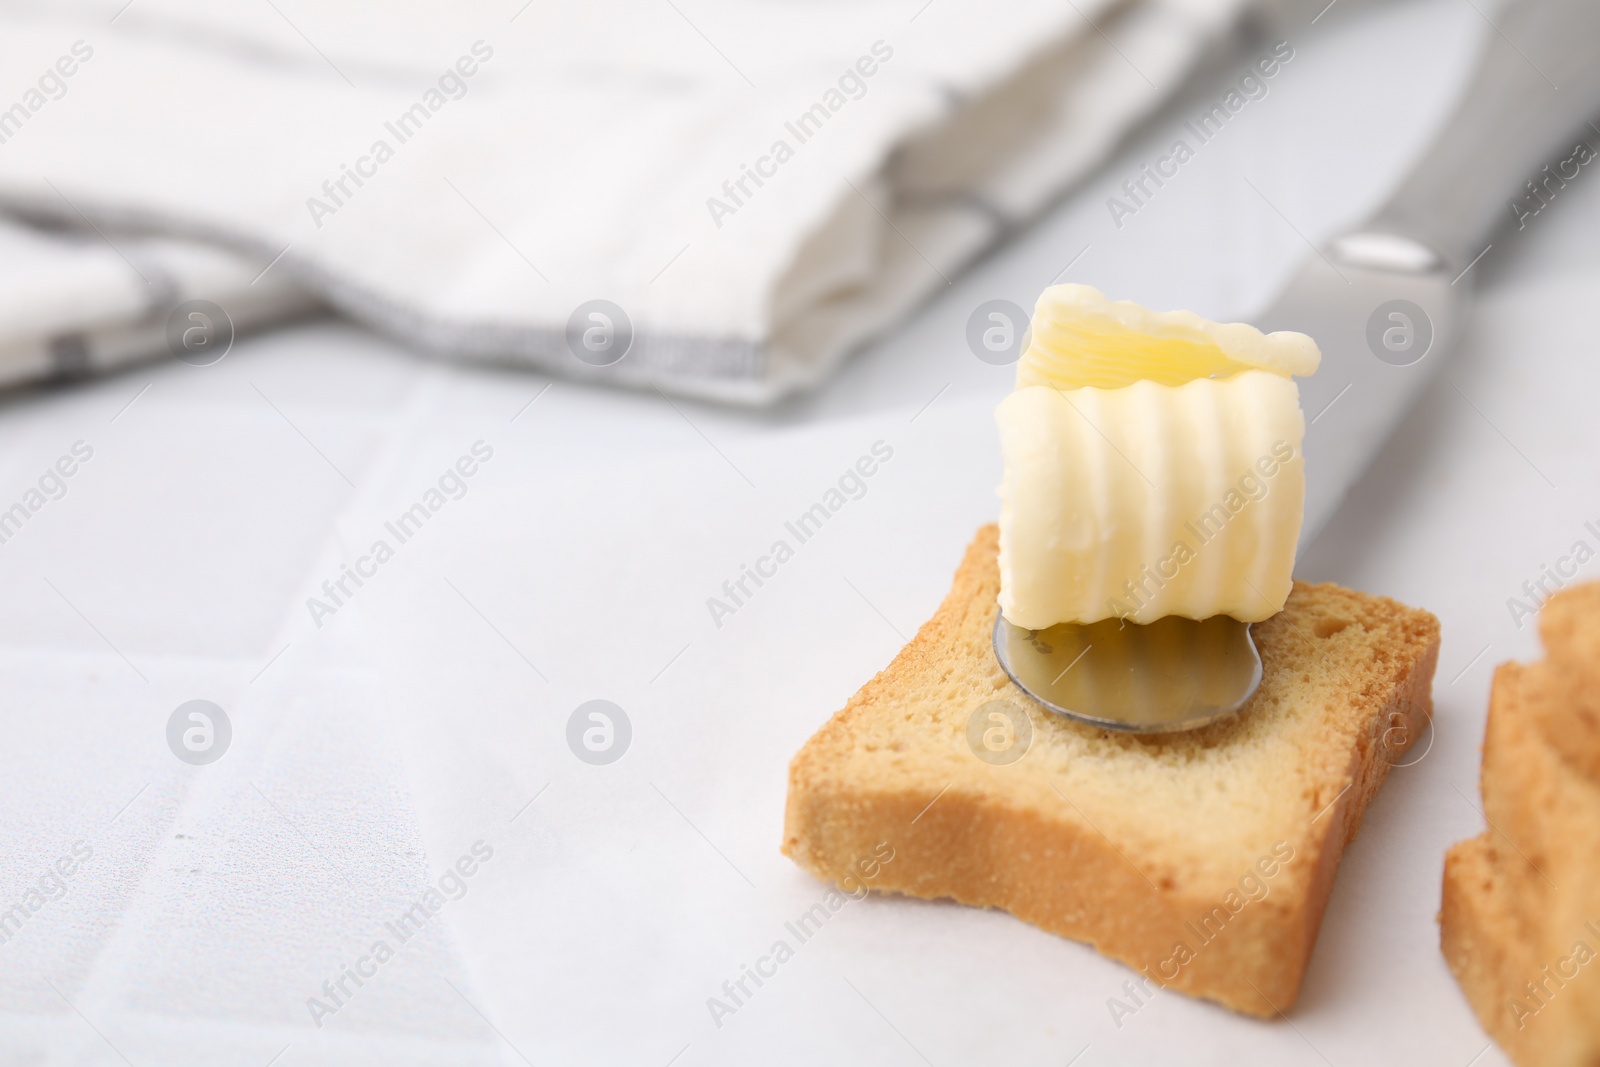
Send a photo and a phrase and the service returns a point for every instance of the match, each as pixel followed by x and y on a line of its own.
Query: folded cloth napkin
pixel 710 197
pixel 76 303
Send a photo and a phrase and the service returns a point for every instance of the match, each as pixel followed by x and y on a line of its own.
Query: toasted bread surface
pixel 1204 859
pixel 1482 938
pixel 1520 918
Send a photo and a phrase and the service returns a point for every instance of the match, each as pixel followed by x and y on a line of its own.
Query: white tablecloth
pixel 429 712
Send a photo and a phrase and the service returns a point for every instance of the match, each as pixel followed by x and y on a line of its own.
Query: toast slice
pixel 1203 860
pixel 1501 955
pixel 1520 918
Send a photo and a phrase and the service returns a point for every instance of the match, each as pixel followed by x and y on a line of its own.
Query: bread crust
pixel 1519 900
pixel 1484 944
pixel 1074 839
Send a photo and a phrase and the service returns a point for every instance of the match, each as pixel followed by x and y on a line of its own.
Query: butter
pixel 1082 339
pixel 1152 466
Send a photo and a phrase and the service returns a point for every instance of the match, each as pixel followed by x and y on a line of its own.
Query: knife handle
pixel 1537 83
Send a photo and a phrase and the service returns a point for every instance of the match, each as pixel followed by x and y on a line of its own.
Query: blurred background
pixel 570 308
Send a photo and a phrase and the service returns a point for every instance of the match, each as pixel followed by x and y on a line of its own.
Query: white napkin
pixel 758 187
pixel 76 303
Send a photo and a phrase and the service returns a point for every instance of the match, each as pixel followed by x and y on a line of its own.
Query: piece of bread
pixel 1569 627
pixel 1203 860
pixel 1484 942
pixel 1520 918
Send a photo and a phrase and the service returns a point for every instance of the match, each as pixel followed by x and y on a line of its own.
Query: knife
pixel 1385 301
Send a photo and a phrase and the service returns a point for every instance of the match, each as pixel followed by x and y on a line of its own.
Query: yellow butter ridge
pixel 1080 338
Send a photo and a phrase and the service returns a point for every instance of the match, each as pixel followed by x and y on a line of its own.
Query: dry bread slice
pixel 1484 942
pixel 1203 860
pixel 1569 626
pixel 1520 918
pixel 1503 956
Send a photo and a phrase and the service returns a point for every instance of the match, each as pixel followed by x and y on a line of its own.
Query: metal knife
pixel 1386 301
